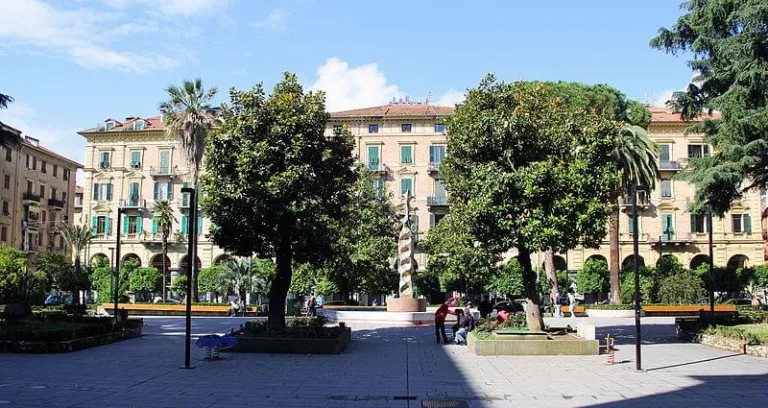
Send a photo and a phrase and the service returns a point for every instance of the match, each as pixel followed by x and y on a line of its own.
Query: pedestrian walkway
pixel 383 367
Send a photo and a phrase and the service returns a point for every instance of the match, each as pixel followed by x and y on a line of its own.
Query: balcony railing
pixel 642 201
pixel 184 201
pixel 672 165
pixel 435 201
pixel 161 171
pixel 29 197
pixel 136 165
pixel 55 204
pixel 133 202
pixel 104 165
pixel 434 167
pixel 670 238
pixel 376 167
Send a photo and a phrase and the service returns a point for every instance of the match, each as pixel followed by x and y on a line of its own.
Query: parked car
pixel 53 300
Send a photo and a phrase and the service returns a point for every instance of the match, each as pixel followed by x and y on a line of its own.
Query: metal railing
pixel 434 167
pixel 31 197
pixel 670 165
pixel 669 238
pixel 161 171
pixel 52 202
pixel 437 200
pixel 133 202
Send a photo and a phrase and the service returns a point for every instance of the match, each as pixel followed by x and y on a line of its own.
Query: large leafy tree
pixel 18 283
pixel 527 170
pixel 77 236
pixel 188 116
pixel 238 275
pixel 144 281
pixel 210 280
pixel 727 40
pixel 163 215
pixel 274 180
pixel 8 136
pixel 457 258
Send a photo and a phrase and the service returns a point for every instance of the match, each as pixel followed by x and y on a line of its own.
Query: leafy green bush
pixel 563 281
pixel 509 281
pixel 145 280
pixel 752 334
pixel 680 288
pixel 302 328
pixel 516 321
pixel 648 286
pixel 57 326
pixel 627 306
pixel 669 265
pixel 593 277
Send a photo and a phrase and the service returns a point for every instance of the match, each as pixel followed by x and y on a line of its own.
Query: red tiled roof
pixel 50 152
pixel 662 114
pixel 150 123
pixel 395 111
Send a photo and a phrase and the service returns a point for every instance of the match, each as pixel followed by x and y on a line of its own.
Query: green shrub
pixel 57 326
pixel 669 265
pixel 627 306
pixel 593 277
pixel 751 334
pixel 648 286
pixel 680 288
pixel 516 321
pixel 303 328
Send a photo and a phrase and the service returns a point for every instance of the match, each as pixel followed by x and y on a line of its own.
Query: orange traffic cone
pixel 611 354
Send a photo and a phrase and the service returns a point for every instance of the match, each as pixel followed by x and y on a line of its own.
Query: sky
pixel 71 64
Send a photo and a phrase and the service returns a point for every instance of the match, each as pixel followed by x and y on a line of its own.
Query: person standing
pixel 312 306
pixel 572 303
pixel 440 314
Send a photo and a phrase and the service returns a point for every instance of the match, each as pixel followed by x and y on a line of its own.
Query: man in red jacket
pixel 440 315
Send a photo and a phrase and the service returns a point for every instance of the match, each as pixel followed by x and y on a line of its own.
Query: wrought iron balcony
pixel 437 201
pixel 30 198
pixel 55 204
pixel 133 202
pixel 670 239
pixel 376 166
pixel 434 167
pixel 670 165
pixel 162 171
pixel 642 201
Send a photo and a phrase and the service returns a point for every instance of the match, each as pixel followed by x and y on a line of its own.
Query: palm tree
pixel 635 154
pixel 8 136
pixel 164 218
pixel 5 100
pixel 188 117
pixel 238 274
pixel 77 237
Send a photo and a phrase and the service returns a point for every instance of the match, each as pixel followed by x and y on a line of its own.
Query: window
pixel 435 219
pixel 337 129
pixel 440 190
pixel 699 224
pixel 135 159
pixel 34 163
pixel 102 192
pixel 439 128
pixel 698 150
pixel 163 191
pixel 667 227
pixel 7 182
pixel 56 171
pixel 43 216
pixel 436 155
pixel 138 125
pixel 6 210
pixel 405 128
pixel 406 154
pixel 100 225
pixel 406 185
pixel 43 166
pixel 40 239
pixel 742 223
pixel 373 158
pixel 66 174
pixel 42 191
pixel 29 161
pixel 4 233
pixel 64 197
pixel 378 186
pixel 8 155
pixel 30 187
pixel 132 224
pixel 110 125
pixel 664 155
pixel 53 193
pixel 666 188
pixel 373 128
pixel 104 160
pixel 165 161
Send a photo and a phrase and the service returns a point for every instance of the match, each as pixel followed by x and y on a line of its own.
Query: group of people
pixel 314 303
pixel 464 324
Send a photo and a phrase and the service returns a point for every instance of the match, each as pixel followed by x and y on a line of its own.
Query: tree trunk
pixel 549 267
pixel 613 232
pixel 532 311
pixel 165 267
pixel 76 288
pixel 280 285
pixel 195 272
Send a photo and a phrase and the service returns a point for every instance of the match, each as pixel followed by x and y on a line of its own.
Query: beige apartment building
pixel 132 164
pixel 405 143
pixel 38 193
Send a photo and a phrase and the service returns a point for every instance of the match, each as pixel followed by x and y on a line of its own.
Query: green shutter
pixel 106 225
pixel 406 184
pixel 185 196
pixel 94 225
pixel 415 223
pixel 157 191
pixel 406 155
pixel 432 154
pixel 373 155
pixel 165 161
pixel 125 225
pixel 631 224
pixel 693 224
pixel 199 224
pixel 431 221
pixel 139 224
pixel 134 191
pixel 747 224
pixel 95 191
pixel 109 192
pixel 184 224
pixel 135 157
pixel 170 191
pixel 154 225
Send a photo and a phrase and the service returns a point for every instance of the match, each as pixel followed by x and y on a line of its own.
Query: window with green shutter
pixel 136 159
pixel 95 191
pixel 106 225
pixel 154 225
pixel 185 196
pixel 165 162
pixel 747 224
pixel 406 154
pixel 199 225
pixel 631 224
pixel 436 154
pixel 126 225
pixel 184 219
pixel 406 184
pixel 373 158
pixel 94 225
pixel 667 228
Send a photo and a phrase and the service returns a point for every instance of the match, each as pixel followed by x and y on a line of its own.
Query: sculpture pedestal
pixel 406 305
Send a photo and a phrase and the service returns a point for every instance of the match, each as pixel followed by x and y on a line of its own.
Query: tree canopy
pixel 274 180
pixel 727 40
pixel 527 170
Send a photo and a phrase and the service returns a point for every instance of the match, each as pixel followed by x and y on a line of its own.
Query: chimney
pixel 32 140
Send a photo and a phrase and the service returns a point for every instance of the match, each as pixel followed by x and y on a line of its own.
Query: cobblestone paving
pixel 383 367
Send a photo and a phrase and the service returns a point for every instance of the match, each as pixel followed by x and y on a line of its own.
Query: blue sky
pixel 72 63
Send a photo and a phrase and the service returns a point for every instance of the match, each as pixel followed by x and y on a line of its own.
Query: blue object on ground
pixel 216 341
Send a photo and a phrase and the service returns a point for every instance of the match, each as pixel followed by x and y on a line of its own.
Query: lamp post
pixel 117 260
pixel 112 272
pixel 636 258
pixel 711 266
pixel 191 229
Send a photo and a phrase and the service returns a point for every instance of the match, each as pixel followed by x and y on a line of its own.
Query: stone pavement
pixel 383 367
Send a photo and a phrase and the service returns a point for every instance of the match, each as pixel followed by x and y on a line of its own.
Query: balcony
pixel 30 247
pixel 104 165
pixel 671 239
pixel 434 167
pixel 670 165
pixel 55 205
pixel 376 167
pixel 30 198
pixel 183 203
pixel 162 171
pixel 133 202
pixel 136 165
pixel 642 201
pixel 437 201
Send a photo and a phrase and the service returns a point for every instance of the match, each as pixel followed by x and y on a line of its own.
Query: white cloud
pixel 82 34
pixel 660 99
pixel 451 97
pixel 356 87
pixel 276 20
pixel 65 142
pixel 172 8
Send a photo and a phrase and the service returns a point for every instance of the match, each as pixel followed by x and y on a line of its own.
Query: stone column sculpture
pixel 405 252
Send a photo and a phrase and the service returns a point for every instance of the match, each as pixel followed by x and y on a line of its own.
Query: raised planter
pixel 500 346
pixel 246 344
pixel 173 310
pixel 44 347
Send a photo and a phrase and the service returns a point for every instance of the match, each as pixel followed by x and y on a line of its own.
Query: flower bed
pixel 301 336
pixel 61 333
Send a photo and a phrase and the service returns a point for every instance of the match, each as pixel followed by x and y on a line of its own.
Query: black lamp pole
pixel 711 267
pixel 191 221
pixel 117 260
pixel 636 259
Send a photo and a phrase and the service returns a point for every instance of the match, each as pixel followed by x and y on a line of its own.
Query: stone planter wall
pixel 247 344
pixel 612 313
pixel 497 347
pixel 42 347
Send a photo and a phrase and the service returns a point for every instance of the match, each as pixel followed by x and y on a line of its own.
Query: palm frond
pixel 635 153
pixel 77 236
pixel 5 100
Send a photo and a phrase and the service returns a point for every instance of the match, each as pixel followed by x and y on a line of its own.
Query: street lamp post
pixel 636 259
pixel 191 229
pixel 117 261
pixel 112 272
pixel 711 266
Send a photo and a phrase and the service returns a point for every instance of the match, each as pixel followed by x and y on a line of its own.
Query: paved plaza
pixel 383 367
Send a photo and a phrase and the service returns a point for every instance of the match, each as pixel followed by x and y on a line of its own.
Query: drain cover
pixel 444 404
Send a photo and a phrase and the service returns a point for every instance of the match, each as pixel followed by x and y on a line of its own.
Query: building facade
pixel 133 164
pixel 38 193
pixel 405 143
